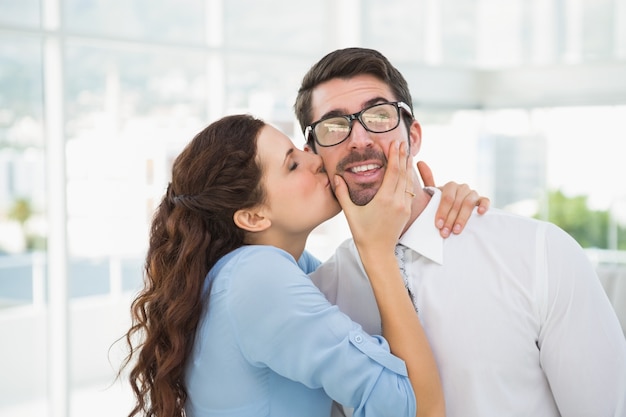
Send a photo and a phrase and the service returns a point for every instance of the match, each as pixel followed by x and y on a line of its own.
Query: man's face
pixel 361 159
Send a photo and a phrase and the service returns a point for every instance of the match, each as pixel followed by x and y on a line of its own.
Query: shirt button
pixel 358 338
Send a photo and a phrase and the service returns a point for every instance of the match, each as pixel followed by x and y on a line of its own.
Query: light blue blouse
pixel 270 344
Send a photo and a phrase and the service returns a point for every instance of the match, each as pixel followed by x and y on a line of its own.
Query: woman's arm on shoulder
pixel 457 203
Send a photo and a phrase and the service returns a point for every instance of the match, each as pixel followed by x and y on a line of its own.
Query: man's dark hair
pixel 348 63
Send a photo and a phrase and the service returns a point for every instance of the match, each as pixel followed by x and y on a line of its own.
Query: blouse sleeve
pixel 283 322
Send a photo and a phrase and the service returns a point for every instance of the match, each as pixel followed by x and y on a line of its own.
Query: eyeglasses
pixel 379 118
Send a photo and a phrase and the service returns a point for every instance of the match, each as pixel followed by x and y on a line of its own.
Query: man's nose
pixel 359 136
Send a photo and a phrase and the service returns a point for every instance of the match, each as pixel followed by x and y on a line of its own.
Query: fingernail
pixel 439 223
pixel 457 228
pixel 445 232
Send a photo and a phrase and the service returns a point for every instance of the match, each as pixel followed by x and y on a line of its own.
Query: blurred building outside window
pixel 140 78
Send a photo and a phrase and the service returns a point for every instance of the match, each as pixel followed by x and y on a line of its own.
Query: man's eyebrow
pixel 368 103
pixel 332 113
pixel 375 100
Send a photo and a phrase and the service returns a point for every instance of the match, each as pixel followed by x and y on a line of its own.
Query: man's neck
pixel 420 201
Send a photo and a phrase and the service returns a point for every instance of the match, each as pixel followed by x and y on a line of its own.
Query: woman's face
pixel 299 196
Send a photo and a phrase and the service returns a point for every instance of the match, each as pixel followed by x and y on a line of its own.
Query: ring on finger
pixel 412 194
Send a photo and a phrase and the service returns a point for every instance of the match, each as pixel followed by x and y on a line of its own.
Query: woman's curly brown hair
pixel 215 175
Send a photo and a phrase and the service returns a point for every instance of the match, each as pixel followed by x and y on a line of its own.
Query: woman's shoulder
pixel 261 255
pixel 271 256
pixel 251 262
pixel 258 272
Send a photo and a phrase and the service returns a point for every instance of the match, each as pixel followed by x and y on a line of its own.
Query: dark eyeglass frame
pixel 399 105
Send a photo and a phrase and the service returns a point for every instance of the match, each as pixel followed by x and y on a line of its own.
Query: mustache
pixel 359 156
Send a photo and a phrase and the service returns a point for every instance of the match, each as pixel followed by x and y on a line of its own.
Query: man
pixel 517 319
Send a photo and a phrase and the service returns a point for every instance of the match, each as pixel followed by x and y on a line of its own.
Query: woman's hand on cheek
pixel 378 224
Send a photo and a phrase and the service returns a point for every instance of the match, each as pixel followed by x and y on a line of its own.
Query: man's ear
pixel 251 220
pixel 415 136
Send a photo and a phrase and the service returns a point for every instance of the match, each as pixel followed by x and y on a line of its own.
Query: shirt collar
pixel 422 236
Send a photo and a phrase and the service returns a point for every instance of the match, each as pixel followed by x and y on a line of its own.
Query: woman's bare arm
pixel 376 228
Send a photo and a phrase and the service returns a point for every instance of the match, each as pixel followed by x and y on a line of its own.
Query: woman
pixel 228 323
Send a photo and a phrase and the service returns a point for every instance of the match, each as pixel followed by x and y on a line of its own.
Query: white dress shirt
pixel 516 316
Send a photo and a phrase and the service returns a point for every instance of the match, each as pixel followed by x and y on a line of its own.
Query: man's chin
pixel 362 197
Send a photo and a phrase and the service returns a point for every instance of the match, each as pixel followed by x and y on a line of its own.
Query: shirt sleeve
pixel 283 322
pixel 582 347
